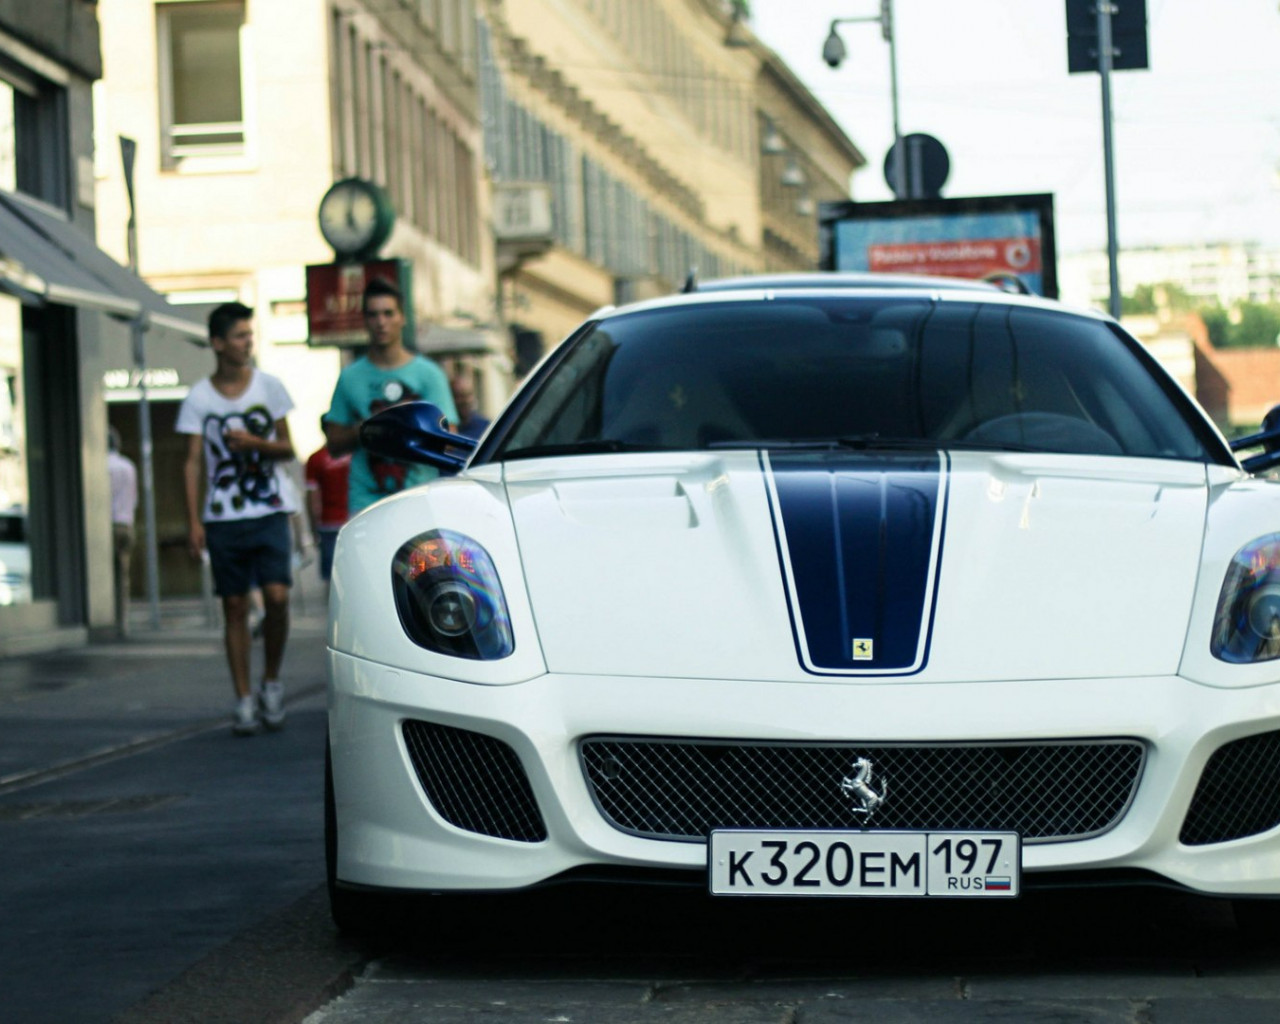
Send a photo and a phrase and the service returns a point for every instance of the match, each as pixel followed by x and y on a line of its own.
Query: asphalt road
pixel 631 957
pixel 153 868
pixel 118 878
pixel 138 836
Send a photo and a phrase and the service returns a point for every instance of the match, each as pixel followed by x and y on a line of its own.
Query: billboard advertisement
pixel 973 238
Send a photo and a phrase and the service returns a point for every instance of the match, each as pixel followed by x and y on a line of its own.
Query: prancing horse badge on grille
pixel 860 786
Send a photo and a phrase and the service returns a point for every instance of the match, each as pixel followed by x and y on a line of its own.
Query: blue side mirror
pixel 415 432
pixel 1268 439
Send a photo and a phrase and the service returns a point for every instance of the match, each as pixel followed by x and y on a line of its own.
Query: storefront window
pixel 13 476
pixel 15 556
pixel 8 140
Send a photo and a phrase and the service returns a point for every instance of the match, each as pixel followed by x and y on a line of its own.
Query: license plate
pixel 828 863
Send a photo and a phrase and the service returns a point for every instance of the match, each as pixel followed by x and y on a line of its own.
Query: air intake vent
pixel 476 782
pixel 1238 794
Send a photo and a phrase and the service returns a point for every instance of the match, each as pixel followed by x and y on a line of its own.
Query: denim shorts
pixel 328 539
pixel 247 553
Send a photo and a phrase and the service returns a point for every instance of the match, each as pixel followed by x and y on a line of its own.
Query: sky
pixel 1196 137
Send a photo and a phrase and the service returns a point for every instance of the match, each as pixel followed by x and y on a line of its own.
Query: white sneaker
pixel 245 721
pixel 272 704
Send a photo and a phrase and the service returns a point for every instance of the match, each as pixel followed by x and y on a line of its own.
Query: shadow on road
pixel 640 932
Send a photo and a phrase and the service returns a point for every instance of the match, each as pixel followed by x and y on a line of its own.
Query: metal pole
pixel 148 476
pixel 1104 71
pixel 900 165
pixel 138 329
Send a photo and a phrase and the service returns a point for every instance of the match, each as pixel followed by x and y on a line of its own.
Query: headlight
pixel 1246 627
pixel 449 598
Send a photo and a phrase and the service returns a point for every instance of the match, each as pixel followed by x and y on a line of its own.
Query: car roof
pixel 840 279
pixel 835 282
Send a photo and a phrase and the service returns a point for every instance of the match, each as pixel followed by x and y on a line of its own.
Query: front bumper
pixel 391 835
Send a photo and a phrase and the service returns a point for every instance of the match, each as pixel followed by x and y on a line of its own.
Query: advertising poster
pixel 334 297
pixel 971 238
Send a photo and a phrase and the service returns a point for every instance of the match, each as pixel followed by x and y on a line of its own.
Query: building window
pixel 201 84
pixel 428 12
pixel 33 139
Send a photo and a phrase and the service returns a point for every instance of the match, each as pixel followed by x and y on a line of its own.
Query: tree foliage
pixel 1259 326
pixel 1247 325
pixel 1150 298
pixel 1215 320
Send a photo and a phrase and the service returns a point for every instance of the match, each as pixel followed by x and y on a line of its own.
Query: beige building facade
pixel 244 113
pixel 544 158
pixel 670 141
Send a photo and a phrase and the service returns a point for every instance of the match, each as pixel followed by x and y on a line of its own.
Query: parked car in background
pixel 822 585
pixel 15 557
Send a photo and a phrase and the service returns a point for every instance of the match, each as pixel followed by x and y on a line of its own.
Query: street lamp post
pixel 128 150
pixel 1105 11
pixel 834 53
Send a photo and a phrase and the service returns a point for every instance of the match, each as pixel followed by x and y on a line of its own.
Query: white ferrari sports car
pixel 814 585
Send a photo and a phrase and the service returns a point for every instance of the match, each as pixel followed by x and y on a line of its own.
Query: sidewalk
pixel 62 709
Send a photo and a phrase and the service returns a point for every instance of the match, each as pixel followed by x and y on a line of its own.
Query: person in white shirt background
pixel 123 475
pixel 238 435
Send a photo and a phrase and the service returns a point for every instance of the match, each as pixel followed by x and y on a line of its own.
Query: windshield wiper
pixel 863 442
pixel 823 444
pixel 857 442
pixel 869 442
pixel 593 446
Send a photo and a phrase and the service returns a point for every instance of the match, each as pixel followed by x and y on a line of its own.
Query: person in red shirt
pixel 326 476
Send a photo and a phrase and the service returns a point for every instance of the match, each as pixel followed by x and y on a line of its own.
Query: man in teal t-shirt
pixel 386 375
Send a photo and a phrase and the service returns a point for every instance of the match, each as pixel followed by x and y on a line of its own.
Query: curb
pixel 277 972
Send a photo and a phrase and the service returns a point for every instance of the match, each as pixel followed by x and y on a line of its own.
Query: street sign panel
pixel 927 166
pixel 1128 35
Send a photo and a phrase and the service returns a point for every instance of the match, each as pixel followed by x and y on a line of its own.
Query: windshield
pixel 860 371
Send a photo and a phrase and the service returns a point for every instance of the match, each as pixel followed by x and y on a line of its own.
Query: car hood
pixel 859 566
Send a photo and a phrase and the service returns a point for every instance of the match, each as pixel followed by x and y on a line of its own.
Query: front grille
pixel 1238 794
pixel 476 782
pixel 682 789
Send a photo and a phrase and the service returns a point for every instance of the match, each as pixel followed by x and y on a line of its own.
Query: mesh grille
pixel 1238 794
pixel 476 782
pixel 674 789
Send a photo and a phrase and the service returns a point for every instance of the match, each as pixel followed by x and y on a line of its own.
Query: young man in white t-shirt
pixel 237 438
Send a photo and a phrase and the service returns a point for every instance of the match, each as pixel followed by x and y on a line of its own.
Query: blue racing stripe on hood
pixel 859 537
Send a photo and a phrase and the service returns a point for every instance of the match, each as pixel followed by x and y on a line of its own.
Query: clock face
pixel 349 216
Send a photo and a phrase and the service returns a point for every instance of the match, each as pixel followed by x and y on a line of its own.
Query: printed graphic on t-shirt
pixel 240 478
pixel 389 477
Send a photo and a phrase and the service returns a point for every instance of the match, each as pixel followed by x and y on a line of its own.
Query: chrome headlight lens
pixel 1246 626
pixel 449 598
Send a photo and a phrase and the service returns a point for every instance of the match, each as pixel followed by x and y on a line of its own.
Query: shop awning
pixel 44 258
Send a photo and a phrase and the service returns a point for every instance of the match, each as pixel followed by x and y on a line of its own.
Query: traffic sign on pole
pixel 1128 35
pixel 926 170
